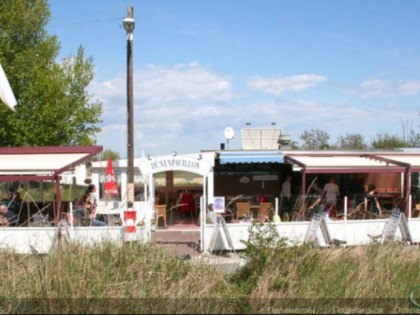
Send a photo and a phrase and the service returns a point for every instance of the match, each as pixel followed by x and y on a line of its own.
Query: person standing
pixel 15 202
pixel 91 204
pixel 331 192
pixel 18 210
pixel 358 190
pixel 373 203
pixel 285 197
pixel 314 199
pixel 186 204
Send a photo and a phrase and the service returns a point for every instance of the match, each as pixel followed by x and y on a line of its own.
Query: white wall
pixel 354 232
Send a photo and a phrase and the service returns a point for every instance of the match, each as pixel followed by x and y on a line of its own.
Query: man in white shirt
pixel 331 191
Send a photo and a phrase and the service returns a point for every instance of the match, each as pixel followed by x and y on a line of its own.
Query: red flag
pixel 110 184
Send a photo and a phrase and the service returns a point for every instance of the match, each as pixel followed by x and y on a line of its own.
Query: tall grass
pixel 134 278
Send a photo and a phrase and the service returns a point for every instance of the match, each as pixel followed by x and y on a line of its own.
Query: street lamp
pixel 129 25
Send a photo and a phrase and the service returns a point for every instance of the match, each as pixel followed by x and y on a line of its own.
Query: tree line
pixel 317 139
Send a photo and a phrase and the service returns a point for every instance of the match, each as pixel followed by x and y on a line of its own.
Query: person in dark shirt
pixel 91 205
pixel 15 205
pixel 357 190
pixel 7 217
pixel 372 199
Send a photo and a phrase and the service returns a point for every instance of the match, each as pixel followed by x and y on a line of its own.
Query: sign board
pixel 219 204
pixel 265 177
pixel 318 221
pixel 220 222
pixel 227 234
pixel 396 220
pixel 260 138
pixel 313 228
pixel 325 231
pixel 388 234
pixel 405 232
pixel 214 236
pixel 174 163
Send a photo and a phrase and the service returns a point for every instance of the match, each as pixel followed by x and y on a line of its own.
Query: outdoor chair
pixel 38 219
pixel 243 209
pixel 161 213
pixel 415 213
pixel 264 212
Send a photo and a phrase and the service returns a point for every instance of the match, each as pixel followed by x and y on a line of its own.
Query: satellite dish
pixel 284 139
pixel 229 133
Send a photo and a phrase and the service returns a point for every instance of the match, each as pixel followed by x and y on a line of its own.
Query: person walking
pixel 331 192
pixel 286 199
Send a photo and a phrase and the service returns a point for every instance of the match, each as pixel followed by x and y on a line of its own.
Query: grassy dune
pixel 134 278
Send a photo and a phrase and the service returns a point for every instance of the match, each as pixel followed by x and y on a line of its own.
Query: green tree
pixel 410 136
pixel 387 141
pixel 315 139
pixel 353 141
pixel 53 106
pixel 81 115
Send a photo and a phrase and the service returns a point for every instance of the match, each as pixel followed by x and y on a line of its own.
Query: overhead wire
pixel 86 22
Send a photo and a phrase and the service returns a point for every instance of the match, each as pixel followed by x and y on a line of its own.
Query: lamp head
pixel 129 24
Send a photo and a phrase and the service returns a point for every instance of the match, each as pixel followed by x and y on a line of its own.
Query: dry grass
pixel 144 279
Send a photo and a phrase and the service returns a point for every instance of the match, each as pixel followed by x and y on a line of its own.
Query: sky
pixel 344 67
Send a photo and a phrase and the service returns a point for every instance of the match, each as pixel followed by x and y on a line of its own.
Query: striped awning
pixel 249 157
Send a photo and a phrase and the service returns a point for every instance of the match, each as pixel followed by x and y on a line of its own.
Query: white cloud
pixel 164 84
pixel 375 89
pixel 381 89
pixel 372 89
pixel 182 82
pixel 187 107
pixel 410 88
pixel 167 102
pixel 279 85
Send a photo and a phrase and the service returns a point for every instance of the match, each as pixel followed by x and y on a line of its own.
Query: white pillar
pixel 210 186
pixel 203 220
pixel 150 210
pixel 345 219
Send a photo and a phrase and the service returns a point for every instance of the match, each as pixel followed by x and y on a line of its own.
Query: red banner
pixel 110 184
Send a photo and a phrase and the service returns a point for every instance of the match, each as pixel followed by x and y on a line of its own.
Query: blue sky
pixel 200 66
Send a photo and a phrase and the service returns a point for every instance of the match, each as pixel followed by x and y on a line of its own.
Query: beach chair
pixel 242 209
pixel 264 212
pixel 160 213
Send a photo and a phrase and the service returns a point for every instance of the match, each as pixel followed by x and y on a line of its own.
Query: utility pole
pixel 129 25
